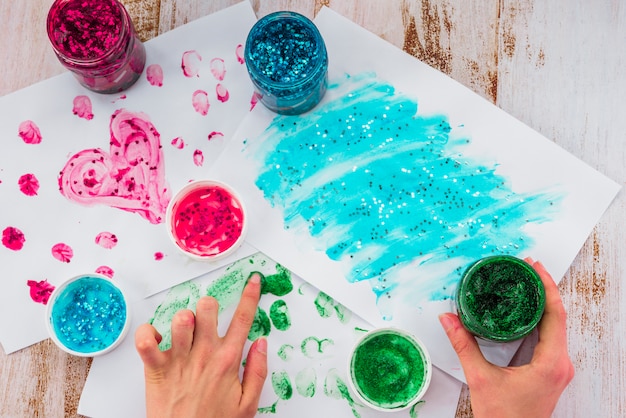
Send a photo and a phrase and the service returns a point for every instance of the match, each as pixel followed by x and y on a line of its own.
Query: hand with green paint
pixel 199 375
pixel 531 390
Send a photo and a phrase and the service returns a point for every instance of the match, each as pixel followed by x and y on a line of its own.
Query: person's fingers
pixel 182 332
pixel 205 332
pixel 244 314
pixel 464 345
pixel 147 340
pixel 254 375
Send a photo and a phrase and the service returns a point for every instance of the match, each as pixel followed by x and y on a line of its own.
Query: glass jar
pixel 97 42
pixel 500 298
pixel 287 62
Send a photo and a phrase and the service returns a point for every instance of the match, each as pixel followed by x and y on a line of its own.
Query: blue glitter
pixel 287 62
pixel 388 192
pixel 88 315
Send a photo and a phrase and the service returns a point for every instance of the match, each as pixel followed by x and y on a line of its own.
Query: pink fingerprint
pixel 218 69
pixel 191 63
pixel 158 256
pixel 215 135
pixel 29 185
pixel 62 252
pixel 13 238
pixel 29 132
pixel 178 142
pixel 254 100
pixel 82 107
pixel 222 93
pixel 40 291
pixel 106 240
pixel 200 101
pixel 198 158
pixel 239 53
pixel 105 271
pixel 154 74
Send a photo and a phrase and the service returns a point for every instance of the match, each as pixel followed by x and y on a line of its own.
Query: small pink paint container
pixel 206 220
pixel 88 315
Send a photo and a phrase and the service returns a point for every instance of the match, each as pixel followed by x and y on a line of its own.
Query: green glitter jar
pixel 500 298
pixel 390 370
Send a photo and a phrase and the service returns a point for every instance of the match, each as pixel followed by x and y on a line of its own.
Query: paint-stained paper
pixel 85 178
pixel 384 193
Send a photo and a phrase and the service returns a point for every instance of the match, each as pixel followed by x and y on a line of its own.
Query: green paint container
pixel 500 298
pixel 390 369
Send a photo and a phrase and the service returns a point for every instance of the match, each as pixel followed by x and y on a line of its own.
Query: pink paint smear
pixel 106 240
pixel 29 185
pixel 82 107
pixel 13 238
pixel 40 291
pixel 29 132
pixel 154 74
pixel 158 256
pixel 62 252
pixel 131 177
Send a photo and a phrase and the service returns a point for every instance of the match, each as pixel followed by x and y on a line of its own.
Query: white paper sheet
pixel 317 343
pixel 537 200
pixel 143 252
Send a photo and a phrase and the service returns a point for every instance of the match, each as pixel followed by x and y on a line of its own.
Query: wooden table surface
pixel 559 66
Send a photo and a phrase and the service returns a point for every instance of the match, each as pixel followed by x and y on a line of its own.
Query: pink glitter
pixel 29 132
pixel 29 185
pixel 82 107
pixel 62 252
pixel 40 291
pixel 13 238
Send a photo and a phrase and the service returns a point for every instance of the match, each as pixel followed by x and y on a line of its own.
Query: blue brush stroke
pixel 382 189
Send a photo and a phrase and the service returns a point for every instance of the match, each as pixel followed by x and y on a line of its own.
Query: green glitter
pixel 306 382
pixel 261 326
pixel 279 314
pixel 182 296
pixel 282 385
pixel 278 284
pixel 500 298
pixel 388 369
pixel 284 352
pixel 313 347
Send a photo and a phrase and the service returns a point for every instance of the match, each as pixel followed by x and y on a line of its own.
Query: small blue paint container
pixel 287 62
pixel 87 315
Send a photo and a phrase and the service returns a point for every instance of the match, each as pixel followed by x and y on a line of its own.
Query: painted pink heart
pixel 130 177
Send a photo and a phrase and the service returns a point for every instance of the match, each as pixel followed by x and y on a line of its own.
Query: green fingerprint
pixel 336 388
pixel 306 382
pixel 268 409
pixel 282 385
pixel 314 347
pixel 182 296
pixel 278 284
pixel 324 305
pixel 260 325
pixel 414 411
pixel 284 352
pixel 279 314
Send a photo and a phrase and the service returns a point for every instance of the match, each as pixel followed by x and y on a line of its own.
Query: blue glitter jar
pixel 87 315
pixel 287 61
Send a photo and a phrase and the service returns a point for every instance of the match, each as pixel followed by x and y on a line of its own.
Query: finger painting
pixel 85 178
pixel 309 338
pixel 388 189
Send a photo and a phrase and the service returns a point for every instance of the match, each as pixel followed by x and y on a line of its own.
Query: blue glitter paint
pixel 88 315
pixel 287 62
pixel 388 192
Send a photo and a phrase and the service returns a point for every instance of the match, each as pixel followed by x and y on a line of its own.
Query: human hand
pixel 531 390
pixel 199 375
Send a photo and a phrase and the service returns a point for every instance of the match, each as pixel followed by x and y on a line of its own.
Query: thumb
pixel 463 343
pixel 254 374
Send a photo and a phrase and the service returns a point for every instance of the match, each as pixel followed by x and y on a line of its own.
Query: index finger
pixel 552 328
pixel 243 318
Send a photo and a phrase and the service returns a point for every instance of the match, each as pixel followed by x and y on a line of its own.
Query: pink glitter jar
pixel 96 40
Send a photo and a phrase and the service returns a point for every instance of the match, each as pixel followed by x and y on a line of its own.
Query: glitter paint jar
pixel 97 42
pixel 287 62
pixel 500 298
pixel 87 315
pixel 206 220
pixel 389 369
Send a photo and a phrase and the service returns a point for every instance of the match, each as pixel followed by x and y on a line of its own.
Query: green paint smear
pixel 268 409
pixel 261 326
pixel 388 370
pixel 306 382
pixel 413 412
pixel 279 314
pixel 336 388
pixel 313 347
pixel 278 284
pixel 282 385
pixel 182 296
pixel 284 352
